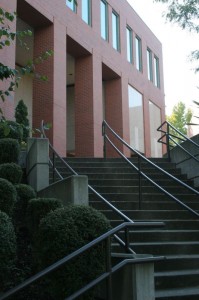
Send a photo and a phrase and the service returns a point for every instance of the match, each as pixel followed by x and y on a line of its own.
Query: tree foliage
pixel 7 37
pixel 185 13
pixel 179 118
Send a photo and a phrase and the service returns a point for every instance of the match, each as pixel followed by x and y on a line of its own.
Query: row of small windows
pixel 152 63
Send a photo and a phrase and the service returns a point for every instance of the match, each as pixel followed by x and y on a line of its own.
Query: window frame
pixel 116 32
pixel 74 7
pixel 138 53
pixel 89 12
pixel 105 21
pixel 149 65
pixel 156 71
pixel 129 43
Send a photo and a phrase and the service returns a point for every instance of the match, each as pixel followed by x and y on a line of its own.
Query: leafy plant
pixel 12 172
pixel 9 150
pixel 7 250
pixel 59 234
pixel 21 116
pixel 8 196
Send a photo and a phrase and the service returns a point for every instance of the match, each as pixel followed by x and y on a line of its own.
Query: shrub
pixel 21 116
pixel 13 130
pixel 12 172
pixel 8 196
pixel 9 150
pixel 24 194
pixel 7 250
pixel 38 209
pixel 60 233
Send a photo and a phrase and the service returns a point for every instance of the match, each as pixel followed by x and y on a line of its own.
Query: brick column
pixel 7 57
pixel 88 107
pixel 113 112
pixel 49 98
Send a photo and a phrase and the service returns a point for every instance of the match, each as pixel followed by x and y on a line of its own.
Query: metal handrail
pixel 142 174
pixel 104 237
pixel 52 163
pixel 172 137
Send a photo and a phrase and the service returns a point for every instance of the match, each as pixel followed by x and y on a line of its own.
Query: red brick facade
pixel 97 66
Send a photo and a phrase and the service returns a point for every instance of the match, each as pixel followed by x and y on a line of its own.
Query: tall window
pixel 86 11
pixel 115 31
pixel 138 53
pixel 149 65
pixel 156 72
pixel 136 119
pixel 129 44
pixel 71 4
pixel 104 19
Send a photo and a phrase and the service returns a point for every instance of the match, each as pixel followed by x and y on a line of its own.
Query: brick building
pixel 107 64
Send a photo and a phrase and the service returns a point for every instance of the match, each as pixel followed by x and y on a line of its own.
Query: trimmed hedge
pixel 8 196
pixel 60 233
pixel 12 172
pixel 7 250
pixel 24 194
pixel 38 209
pixel 9 150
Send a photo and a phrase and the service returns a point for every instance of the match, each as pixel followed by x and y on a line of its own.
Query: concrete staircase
pixel 178 276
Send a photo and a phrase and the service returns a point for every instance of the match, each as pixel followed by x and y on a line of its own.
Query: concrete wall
pixel 187 164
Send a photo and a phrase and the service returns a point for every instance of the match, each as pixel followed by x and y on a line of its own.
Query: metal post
pixel 53 167
pixel 167 141
pixel 127 239
pixel 108 269
pixel 140 183
pixel 104 135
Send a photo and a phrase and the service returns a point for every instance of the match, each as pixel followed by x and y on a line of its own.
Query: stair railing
pixel 140 157
pixel 125 218
pixel 169 137
pixel 109 269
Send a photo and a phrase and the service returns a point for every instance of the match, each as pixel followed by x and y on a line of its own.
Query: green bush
pixel 9 150
pixel 38 209
pixel 8 196
pixel 24 194
pixel 13 130
pixel 21 116
pixel 7 250
pixel 60 233
pixel 12 172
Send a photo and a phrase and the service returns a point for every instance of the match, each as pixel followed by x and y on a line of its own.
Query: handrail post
pixel 140 183
pixel 127 239
pixel 108 269
pixel 53 160
pixel 167 141
pixel 104 135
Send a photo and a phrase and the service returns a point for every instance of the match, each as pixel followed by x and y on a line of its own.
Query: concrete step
pixel 138 215
pixel 176 279
pixel 146 205
pixel 184 293
pixel 178 262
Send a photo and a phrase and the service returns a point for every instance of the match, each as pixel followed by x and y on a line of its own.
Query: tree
pixel 186 14
pixel 21 116
pixel 6 38
pixel 179 118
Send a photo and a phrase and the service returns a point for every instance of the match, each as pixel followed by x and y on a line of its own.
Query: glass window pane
pixel 156 72
pixel 86 11
pixel 138 49
pixel 104 20
pixel 136 119
pixel 115 31
pixel 129 44
pixel 155 121
pixel 71 5
pixel 149 65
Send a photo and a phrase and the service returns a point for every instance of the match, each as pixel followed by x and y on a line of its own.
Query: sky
pixel 180 80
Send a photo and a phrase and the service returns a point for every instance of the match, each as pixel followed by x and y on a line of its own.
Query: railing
pixel 105 238
pixel 171 136
pixel 141 157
